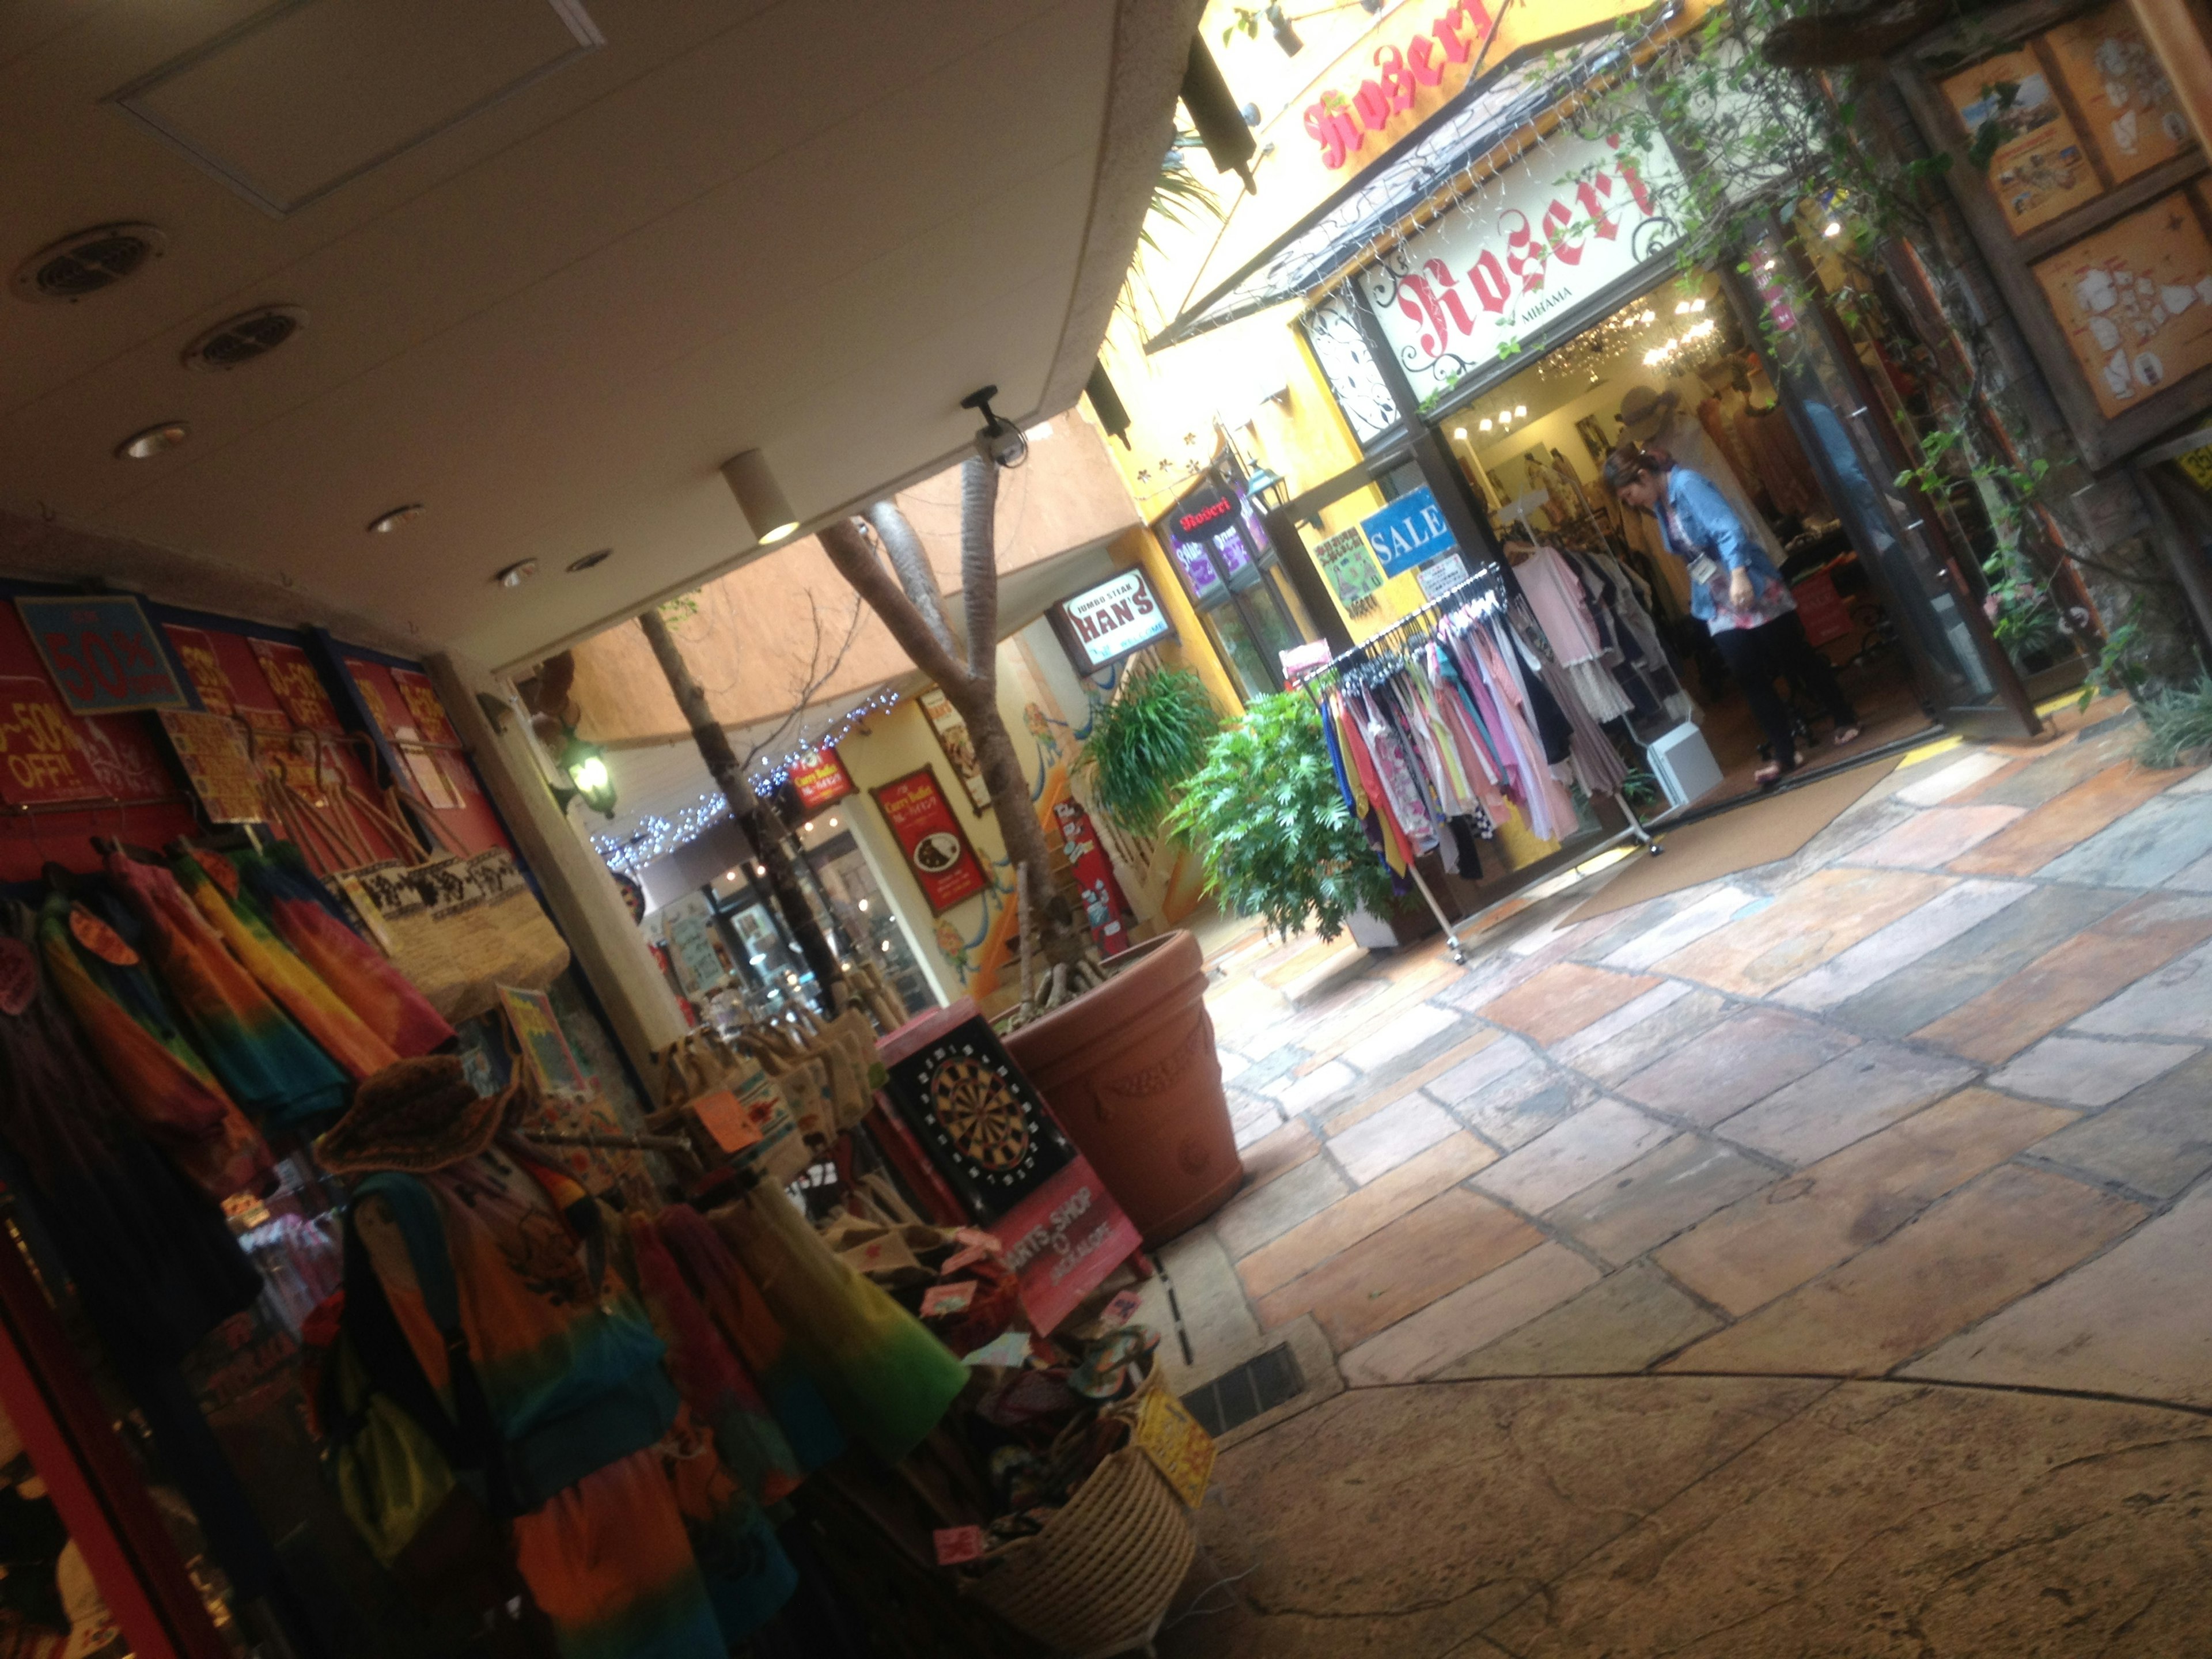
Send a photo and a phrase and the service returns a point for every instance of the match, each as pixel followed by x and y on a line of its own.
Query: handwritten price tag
pixel 721 1116
pixel 947 1299
pixel 957 1544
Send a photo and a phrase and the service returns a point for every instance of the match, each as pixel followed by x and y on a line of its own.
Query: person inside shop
pixel 1738 593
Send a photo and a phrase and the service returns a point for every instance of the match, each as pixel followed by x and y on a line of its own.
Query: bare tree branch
pixel 910 560
pixel 979 563
pixel 853 554
pixel 809 682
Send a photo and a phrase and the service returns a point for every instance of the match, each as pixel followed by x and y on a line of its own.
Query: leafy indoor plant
pixel 1276 836
pixel 1144 742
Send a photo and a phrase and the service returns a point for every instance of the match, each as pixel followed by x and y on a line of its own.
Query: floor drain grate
pixel 1236 1397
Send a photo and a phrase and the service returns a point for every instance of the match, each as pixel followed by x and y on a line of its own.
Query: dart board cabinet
pixel 975 1115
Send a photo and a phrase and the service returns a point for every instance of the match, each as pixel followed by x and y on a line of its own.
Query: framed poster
pixel 2036 168
pixel 2129 110
pixel 103 653
pixel 975 1115
pixel 818 778
pixel 2102 273
pixel 937 851
pixel 545 1047
pixel 1351 570
pixel 960 748
pixel 42 759
pixel 2134 301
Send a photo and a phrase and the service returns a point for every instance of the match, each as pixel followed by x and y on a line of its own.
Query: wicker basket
pixel 1097 1578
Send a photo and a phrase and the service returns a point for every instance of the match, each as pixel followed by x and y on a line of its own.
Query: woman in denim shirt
pixel 1739 595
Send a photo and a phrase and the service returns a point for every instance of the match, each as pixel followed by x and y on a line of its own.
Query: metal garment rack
pixel 1486 584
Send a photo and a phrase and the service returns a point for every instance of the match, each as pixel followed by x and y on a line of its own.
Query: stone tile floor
pixel 1808 1262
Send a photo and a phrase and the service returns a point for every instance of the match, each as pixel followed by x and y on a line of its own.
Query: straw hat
pixel 1644 411
pixel 415 1115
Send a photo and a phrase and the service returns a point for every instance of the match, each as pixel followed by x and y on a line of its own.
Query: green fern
pixel 1276 839
pixel 1144 742
pixel 2180 724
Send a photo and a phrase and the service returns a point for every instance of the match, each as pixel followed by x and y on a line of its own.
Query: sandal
pixel 1773 772
pixel 1844 734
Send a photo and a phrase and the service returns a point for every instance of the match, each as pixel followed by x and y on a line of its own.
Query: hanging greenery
pixel 1144 742
pixel 1276 839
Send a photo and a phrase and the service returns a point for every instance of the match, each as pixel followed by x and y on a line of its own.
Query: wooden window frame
pixel 1918 72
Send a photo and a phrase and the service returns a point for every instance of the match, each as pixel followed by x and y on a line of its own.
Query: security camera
pixel 1000 439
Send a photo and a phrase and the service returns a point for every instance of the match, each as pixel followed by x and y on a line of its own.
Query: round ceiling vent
pixel 242 338
pixel 85 263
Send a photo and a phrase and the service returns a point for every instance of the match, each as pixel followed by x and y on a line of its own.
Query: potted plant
pixel 1277 838
pixel 1144 742
pixel 1128 1064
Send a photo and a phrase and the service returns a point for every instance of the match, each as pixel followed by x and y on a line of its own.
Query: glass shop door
pixel 1962 676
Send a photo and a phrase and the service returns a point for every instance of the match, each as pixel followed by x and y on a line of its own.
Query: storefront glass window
pixel 1233 577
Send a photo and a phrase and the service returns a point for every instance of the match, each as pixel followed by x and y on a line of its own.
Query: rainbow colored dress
pixel 322 1013
pixel 630 1499
pixel 163 1082
pixel 293 903
pixel 268 1065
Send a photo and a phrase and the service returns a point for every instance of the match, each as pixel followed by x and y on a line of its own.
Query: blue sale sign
pixel 1409 532
pixel 102 652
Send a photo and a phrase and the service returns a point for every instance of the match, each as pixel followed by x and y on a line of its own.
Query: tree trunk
pixel 971 687
pixel 762 829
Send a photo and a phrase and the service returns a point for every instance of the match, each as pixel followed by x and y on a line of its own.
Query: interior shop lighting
pixel 1682 307
pixel 1696 305
pixel 864 906
pixel 1833 227
pixel 1487 423
pixel 1649 317
pixel 760 498
pixel 1459 434
pixel 1520 411
pixel 144 446
pixel 807 828
pixel 760 869
pixel 384 522
pixel 833 821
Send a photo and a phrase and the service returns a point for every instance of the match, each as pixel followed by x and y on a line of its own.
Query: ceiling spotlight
pixel 590 559
pixel 864 907
pixel 143 445
pixel 1285 36
pixel 1460 433
pixel 807 828
pixel 1696 305
pixel 1520 411
pixel 384 522
pixel 760 869
pixel 1833 227
pixel 760 498
pixel 729 875
pixel 1487 423
pixel 518 573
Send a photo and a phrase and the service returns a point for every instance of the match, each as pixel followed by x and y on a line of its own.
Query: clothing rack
pixel 1489 581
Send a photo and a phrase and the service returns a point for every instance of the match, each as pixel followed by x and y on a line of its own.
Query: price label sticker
pixel 97 937
pixel 957 1544
pixel 1120 1310
pixel 945 1299
pixel 727 1121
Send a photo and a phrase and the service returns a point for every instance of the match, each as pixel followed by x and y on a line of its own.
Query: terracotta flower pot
pixel 1130 1070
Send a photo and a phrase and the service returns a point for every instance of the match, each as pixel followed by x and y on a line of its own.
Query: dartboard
pixel 979 1110
pixel 978 1119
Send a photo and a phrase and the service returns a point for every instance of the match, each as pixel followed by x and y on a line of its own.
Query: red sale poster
pixel 41 746
pixel 291 674
pixel 1063 1239
pixel 937 852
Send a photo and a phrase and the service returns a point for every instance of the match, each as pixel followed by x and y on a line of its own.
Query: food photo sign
pixel 937 852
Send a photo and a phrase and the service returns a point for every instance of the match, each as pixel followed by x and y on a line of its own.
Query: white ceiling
pixel 797 227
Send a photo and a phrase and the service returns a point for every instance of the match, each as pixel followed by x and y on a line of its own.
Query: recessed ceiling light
pixel 518 573
pixel 384 522
pixel 143 446
pixel 590 559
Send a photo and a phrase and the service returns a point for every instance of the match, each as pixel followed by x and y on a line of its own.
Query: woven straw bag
pixel 1097 1579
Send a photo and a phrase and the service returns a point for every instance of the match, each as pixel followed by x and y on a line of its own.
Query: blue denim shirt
pixel 1710 525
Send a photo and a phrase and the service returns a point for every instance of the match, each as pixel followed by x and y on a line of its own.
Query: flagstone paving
pixel 1627 1197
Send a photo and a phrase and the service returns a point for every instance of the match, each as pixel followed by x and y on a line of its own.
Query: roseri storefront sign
pixel 1557 227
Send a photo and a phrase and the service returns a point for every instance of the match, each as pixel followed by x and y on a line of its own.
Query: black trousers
pixel 1760 656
